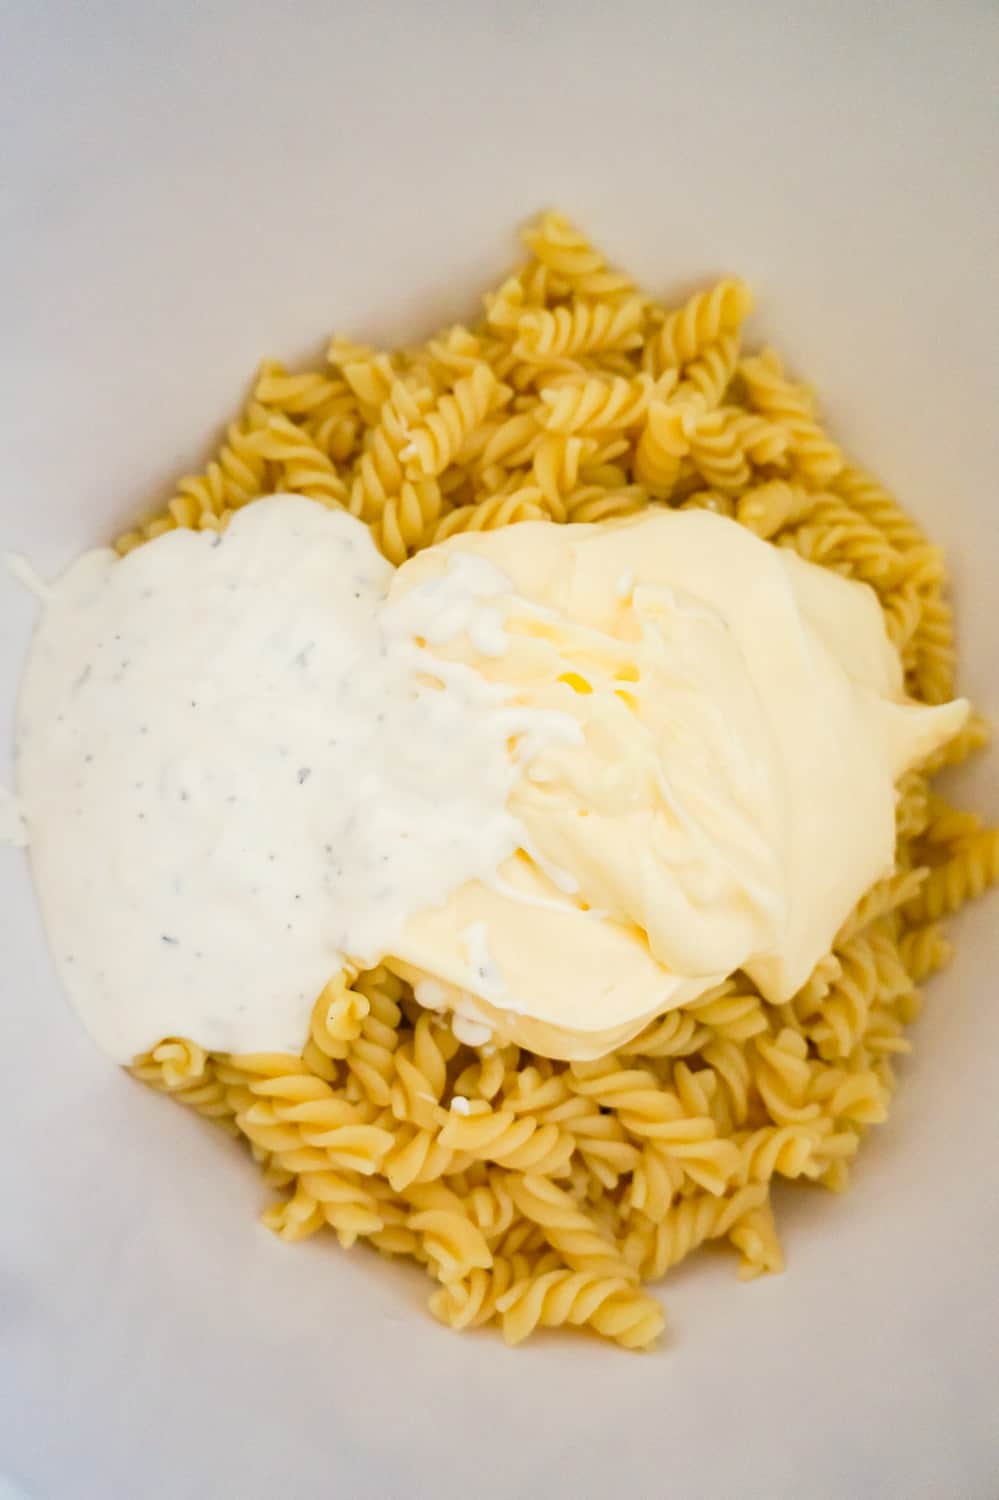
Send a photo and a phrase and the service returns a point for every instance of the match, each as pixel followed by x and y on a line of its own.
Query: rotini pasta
pixel 434 442
pixel 549 1299
pixel 569 261
pixel 538 1193
pixel 816 459
pixel 704 319
pixel 591 404
pixel 550 335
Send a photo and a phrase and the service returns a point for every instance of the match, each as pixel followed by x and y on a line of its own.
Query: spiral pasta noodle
pixel 591 404
pixel 664 442
pixel 436 440
pixel 301 466
pixel 815 457
pixel 703 320
pixel 550 335
pixel 570 262
pixel 609 1305
pixel 537 1193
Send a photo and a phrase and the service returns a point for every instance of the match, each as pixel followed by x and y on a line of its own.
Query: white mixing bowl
pixel 190 186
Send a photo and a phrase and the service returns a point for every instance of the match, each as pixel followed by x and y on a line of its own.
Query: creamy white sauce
pixel 473 1033
pixel 489 980
pixel 743 721
pixel 563 778
pixel 242 772
pixel 21 570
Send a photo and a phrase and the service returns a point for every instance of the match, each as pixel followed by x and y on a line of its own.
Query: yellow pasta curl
pixel 702 321
pixel 566 1227
pixel 572 263
pixel 295 395
pixel 435 441
pixel 302 467
pixel 655 1248
pixel 607 1304
pixel 923 950
pixel 548 335
pixel 815 457
pixel 866 495
pixel 590 404
pixel 663 444
pixel 968 873
pixel 520 1143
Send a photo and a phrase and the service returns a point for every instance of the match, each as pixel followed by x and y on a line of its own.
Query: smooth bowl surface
pixel 192 186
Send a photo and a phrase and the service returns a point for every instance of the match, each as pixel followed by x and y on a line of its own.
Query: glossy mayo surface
pixel 564 778
pixel 732 796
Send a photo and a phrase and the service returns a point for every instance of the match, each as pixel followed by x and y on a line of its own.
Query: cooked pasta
pixel 687 332
pixel 814 456
pixel 582 326
pixel 537 1193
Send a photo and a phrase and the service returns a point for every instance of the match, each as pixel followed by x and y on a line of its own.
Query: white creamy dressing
pixel 562 777
pixel 239 775
pixel 21 570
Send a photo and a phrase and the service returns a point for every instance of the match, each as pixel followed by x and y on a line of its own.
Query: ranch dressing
pixel 241 773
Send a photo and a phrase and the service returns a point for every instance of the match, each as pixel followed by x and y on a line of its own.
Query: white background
pixel 187 186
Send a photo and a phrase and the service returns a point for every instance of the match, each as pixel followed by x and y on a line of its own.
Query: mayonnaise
pixel 563 778
pixel 743 723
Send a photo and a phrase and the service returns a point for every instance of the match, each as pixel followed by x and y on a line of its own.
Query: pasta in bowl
pixel 545 1151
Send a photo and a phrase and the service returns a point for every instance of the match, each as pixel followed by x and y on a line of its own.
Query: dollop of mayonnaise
pixel 563 778
pixel 731 796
